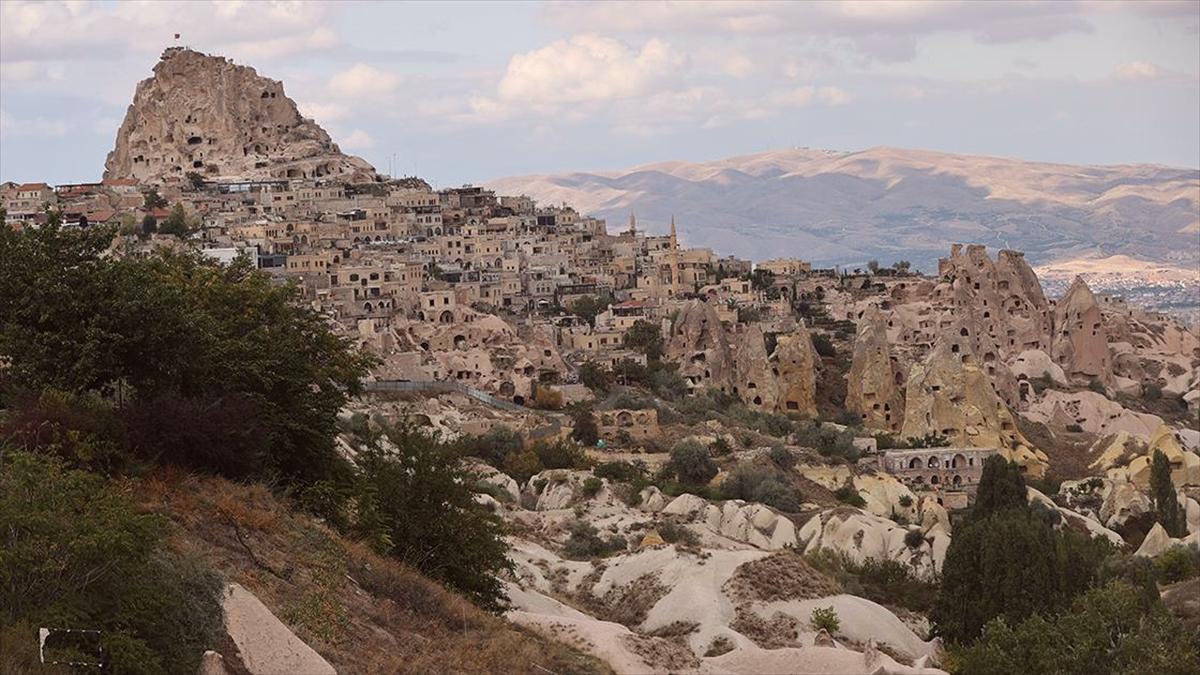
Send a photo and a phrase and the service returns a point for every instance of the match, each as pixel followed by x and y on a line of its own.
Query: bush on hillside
pixel 585 542
pixel 691 463
pixel 415 502
pixel 75 552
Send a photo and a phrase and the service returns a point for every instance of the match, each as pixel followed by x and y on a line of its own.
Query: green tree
pixel 1005 560
pixel 595 377
pixel 588 306
pixel 149 225
pixel 175 223
pixel 414 501
pixel 691 463
pixel 873 266
pixel 586 429
pixel 195 179
pixel 152 200
pixel 182 330
pixel 1001 487
pixel 761 279
pixel 1162 491
pixel 645 337
pixel 1112 629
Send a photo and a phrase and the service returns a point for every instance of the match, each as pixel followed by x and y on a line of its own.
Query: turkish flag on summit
pixel 177 36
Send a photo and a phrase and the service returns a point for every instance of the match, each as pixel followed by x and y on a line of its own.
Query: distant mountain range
pixel 889 203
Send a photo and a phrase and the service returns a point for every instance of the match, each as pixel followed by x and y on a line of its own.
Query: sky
pixel 463 92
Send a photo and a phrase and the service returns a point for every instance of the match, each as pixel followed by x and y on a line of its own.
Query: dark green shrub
pixel 848 495
pixel 823 345
pixel 1178 563
pixel 825 618
pixel 905 501
pixel 673 533
pixel 75 552
pixel 914 539
pixel 561 455
pixel 591 486
pixel 621 472
pixel 782 457
pixel 691 463
pixel 585 542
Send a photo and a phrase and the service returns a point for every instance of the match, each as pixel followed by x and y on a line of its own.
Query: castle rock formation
pixel 207 115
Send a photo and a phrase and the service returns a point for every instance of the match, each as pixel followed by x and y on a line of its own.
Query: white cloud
pixel 1138 70
pixel 357 140
pixel 35 127
pixel 363 80
pixel 588 68
pixel 323 113
pixel 799 97
pixel 833 96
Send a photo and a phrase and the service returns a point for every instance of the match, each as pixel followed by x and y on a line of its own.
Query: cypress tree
pixel 1162 492
pixel 586 430
pixel 1000 487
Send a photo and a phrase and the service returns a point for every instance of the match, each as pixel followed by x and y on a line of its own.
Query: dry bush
pixel 777 632
pixel 627 605
pixel 782 576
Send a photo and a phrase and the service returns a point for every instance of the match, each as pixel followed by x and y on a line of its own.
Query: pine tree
pixel 1162 491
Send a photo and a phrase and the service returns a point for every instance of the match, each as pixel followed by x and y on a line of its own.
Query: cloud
pixel 323 112
pixel 882 29
pixel 363 80
pixel 91 30
pixel 588 68
pixel 800 97
pixel 1137 70
pixel 36 127
pixel 357 140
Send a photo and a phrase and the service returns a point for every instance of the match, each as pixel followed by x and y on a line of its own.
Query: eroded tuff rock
pixel 949 394
pixel 206 114
pixel 874 386
pixel 795 361
pixel 711 357
pixel 1080 342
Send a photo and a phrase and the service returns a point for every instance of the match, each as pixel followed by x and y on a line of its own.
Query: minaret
pixel 632 224
pixel 674 259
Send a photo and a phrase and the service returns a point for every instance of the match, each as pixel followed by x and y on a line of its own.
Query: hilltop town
pixel 692 452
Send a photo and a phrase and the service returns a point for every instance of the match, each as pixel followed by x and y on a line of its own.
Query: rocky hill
pixel 888 203
pixel 206 114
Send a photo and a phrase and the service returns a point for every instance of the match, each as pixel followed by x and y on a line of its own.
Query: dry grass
pixel 627 605
pixel 363 612
pixel 780 631
pixel 782 576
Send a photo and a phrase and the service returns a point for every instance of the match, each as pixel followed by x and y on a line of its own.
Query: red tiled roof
pixel 33 186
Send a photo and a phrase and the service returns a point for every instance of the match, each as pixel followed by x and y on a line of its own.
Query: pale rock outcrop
pixel 795 362
pixel 1157 540
pixel 950 395
pixel 493 476
pixel 652 499
pixel 699 344
pixel 208 115
pixel 883 495
pixel 753 380
pixel 1093 527
pixel 1032 364
pixel 1122 501
pixel 1093 412
pixel 686 504
pixel 862 535
pixel 1080 343
pixel 873 386
pixel 1185 465
pixel 264 644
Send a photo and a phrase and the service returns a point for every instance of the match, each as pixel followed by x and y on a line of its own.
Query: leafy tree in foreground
pixel 415 502
pixel 1106 630
pixel 176 341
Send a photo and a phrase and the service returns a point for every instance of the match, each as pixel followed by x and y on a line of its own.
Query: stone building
pixel 942 470
pixel 639 425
